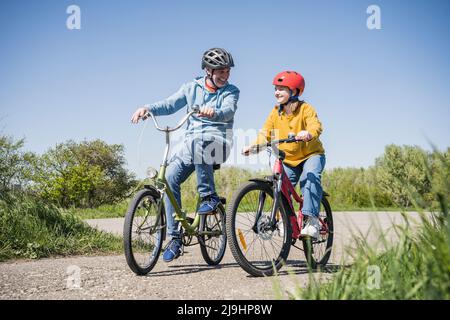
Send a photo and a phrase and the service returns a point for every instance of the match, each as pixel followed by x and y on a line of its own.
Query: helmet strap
pixel 210 77
pixel 292 97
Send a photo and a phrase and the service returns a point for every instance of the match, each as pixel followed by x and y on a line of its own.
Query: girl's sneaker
pixel 311 227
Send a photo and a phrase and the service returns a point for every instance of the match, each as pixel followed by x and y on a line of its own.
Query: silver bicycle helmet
pixel 217 58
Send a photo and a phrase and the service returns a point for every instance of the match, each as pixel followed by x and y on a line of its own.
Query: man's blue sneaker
pixel 173 250
pixel 209 204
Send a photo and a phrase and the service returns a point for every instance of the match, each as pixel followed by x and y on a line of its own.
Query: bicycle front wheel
pixel 258 245
pixel 143 231
pixel 213 246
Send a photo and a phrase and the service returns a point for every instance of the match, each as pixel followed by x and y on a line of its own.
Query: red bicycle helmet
pixel 291 79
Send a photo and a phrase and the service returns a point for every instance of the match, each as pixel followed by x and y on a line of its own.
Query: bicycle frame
pixel 281 183
pixel 287 189
pixel 180 215
pixel 163 186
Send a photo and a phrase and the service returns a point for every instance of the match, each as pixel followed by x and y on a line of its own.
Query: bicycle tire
pixel 131 254
pixel 207 243
pixel 234 239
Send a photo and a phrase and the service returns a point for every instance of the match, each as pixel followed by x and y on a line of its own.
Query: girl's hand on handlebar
pixel 303 136
pixel 206 112
pixel 246 150
pixel 139 113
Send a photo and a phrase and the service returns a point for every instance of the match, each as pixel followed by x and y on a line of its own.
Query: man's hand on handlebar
pixel 138 114
pixel 207 112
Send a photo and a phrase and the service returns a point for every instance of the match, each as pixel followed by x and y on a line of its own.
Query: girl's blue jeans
pixel 309 174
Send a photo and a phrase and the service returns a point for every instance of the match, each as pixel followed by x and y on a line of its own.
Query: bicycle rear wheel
pixel 143 231
pixel 213 246
pixel 318 251
pixel 257 246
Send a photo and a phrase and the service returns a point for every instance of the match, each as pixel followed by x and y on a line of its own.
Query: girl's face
pixel 282 94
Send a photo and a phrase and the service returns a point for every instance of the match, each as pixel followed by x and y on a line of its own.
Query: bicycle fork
pixel 272 221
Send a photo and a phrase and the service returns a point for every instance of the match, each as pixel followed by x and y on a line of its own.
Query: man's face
pixel 220 76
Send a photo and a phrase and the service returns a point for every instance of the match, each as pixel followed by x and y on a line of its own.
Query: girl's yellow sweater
pixel 279 125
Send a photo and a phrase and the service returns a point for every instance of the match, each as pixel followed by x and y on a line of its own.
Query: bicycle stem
pixel 166 151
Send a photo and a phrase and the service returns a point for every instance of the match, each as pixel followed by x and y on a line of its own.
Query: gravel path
pixel 189 277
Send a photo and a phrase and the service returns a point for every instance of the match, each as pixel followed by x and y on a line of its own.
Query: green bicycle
pixel 144 229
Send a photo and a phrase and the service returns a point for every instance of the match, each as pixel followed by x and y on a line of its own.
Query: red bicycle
pixel 262 225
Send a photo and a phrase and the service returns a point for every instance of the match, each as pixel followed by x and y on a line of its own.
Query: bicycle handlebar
pixel 258 147
pixel 149 114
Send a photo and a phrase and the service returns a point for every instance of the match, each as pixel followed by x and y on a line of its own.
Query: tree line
pixel 88 174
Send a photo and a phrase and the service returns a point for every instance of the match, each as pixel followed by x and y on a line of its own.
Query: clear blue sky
pixel 370 87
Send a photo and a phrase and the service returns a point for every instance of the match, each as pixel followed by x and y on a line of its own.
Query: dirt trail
pixel 189 277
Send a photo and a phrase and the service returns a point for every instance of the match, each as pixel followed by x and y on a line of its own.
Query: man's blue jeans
pixel 309 173
pixel 192 157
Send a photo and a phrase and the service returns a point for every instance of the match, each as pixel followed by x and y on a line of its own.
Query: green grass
pixel 32 228
pixel 117 210
pixel 418 267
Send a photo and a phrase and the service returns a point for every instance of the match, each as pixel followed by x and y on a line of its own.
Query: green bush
pixel 352 188
pixel 402 173
pixel 85 175
pixel 15 164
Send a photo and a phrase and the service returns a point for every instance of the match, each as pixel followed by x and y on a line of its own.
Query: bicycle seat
pixel 216 167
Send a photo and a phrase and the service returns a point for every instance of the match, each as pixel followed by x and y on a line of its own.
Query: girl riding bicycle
pixel 305 160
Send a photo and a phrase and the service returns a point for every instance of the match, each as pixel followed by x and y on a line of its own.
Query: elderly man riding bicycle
pixel 208 136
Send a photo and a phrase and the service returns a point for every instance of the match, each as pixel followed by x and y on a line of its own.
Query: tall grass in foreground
pixel 416 267
pixel 32 228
